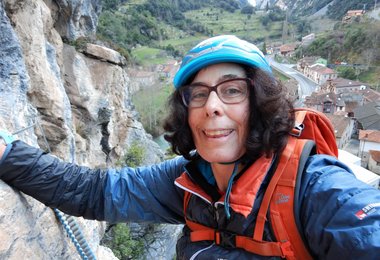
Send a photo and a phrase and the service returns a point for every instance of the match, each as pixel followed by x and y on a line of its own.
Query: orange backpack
pixel 310 125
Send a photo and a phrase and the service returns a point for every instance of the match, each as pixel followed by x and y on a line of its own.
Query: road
pixel 305 85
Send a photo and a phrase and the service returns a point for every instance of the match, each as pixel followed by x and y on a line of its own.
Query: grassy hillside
pixel 248 26
pixel 175 28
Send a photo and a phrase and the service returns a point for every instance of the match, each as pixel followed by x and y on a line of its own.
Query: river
pixel 160 140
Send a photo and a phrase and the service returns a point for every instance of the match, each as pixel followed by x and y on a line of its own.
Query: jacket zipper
pixel 215 214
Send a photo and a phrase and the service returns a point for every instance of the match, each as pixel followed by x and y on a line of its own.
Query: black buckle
pixel 227 239
pixel 297 130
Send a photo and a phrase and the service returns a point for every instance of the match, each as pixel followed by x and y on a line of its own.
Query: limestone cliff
pixel 78 101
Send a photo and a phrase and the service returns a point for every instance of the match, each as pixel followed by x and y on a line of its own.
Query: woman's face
pixel 219 130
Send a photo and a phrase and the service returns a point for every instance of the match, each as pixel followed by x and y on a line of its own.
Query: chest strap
pixel 229 240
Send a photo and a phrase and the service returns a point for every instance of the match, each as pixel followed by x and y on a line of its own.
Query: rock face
pixel 75 104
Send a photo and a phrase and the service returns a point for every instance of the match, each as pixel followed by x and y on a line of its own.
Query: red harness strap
pixel 201 233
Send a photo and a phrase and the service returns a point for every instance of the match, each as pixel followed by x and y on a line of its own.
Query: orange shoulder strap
pixel 282 206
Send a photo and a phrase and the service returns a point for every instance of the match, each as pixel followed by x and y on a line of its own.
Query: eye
pixel 199 93
pixel 233 88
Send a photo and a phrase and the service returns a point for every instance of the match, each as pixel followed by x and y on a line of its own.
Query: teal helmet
pixel 224 48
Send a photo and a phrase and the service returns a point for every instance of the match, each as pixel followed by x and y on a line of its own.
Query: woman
pixel 228 114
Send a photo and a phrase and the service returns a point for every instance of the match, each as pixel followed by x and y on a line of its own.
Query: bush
pixel 122 244
pixel 134 156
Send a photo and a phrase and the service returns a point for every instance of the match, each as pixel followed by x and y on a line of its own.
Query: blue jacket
pixel 340 215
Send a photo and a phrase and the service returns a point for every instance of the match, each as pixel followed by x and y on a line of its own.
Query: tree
pixel 248 9
pixel 347 72
pixel 122 244
pixel 303 27
pixel 110 4
pixel 264 20
pixel 264 48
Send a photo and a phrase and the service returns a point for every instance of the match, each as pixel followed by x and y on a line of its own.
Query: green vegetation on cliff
pixel 356 44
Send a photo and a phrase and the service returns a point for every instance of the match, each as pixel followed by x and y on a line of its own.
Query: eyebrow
pixel 228 76
pixel 222 78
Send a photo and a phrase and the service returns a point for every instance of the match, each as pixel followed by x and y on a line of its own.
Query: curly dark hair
pixel 270 120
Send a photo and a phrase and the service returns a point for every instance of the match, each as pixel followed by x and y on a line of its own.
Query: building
pixel 341 85
pixel 368 116
pixel 351 14
pixel 370 95
pixel 374 161
pixel 369 140
pixel 343 129
pixel 288 49
pixel 141 79
pixel 327 101
pixel 308 39
pixel 320 73
pixel 306 62
pixel 169 69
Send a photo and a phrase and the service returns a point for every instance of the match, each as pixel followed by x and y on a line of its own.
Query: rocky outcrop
pixel 75 104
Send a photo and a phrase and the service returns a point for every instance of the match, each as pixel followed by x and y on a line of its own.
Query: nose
pixel 213 106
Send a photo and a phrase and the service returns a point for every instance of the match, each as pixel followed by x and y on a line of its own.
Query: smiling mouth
pixel 217 133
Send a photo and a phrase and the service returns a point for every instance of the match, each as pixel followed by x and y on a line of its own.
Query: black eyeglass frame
pixel 183 89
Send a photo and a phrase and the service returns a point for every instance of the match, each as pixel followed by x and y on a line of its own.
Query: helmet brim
pixel 253 59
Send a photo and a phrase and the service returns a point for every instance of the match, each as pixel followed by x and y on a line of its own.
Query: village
pixel 353 107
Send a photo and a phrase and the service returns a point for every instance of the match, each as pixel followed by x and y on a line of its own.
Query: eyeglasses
pixel 230 91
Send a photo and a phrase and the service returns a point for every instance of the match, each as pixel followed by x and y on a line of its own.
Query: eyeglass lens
pixel 230 91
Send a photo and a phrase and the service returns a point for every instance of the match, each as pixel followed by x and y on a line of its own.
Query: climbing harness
pixel 68 222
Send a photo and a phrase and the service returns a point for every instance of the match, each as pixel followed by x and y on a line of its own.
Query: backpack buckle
pixel 225 239
pixel 297 130
pixel 286 249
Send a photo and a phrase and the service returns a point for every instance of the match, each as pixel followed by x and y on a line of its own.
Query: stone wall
pixel 75 104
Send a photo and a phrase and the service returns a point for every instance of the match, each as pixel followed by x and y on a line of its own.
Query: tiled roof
pixel 369 115
pixel 288 47
pixel 375 155
pixel 309 59
pixel 370 95
pixel 322 69
pixel 339 123
pixel 370 135
pixel 342 83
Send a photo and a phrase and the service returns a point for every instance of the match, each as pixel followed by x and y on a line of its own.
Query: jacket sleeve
pixel 144 194
pixel 340 214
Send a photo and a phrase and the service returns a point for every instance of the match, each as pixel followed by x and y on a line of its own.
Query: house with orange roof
pixel 169 69
pixel 374 161
pixel 352 14
pixel 369 140
pixel 288 49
